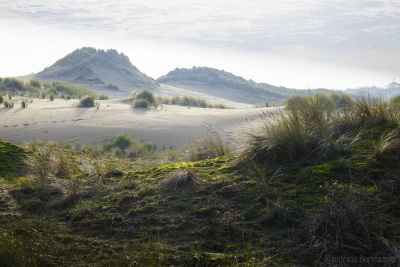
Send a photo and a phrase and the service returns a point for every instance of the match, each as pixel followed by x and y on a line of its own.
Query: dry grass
pixel 315 128
pixel 346 225
pixel 183 179
pixel 212 146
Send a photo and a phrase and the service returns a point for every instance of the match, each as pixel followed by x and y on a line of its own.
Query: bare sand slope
pixel 167 126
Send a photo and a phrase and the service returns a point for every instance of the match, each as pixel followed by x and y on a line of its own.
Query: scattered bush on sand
pixel 86 102
pixel 141 103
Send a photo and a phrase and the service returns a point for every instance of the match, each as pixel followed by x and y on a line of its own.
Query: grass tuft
pixel 183 179
pixel 211 146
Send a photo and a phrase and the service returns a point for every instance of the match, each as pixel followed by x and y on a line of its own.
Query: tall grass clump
pixel 316 127
pixel 211 146
pixel 315 111
pixel 1 99
pixel 283 137
pixel 183 179
pixel 394 108
pixel 372 110
pixel 307 128
pixel 387 146
pixel 50 160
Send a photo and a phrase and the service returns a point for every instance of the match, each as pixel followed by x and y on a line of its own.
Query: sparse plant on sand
pixel 8 104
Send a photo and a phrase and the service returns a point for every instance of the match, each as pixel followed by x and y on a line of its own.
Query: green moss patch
pixel 11 159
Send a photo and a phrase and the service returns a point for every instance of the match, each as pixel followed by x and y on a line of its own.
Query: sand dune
pixel 167 126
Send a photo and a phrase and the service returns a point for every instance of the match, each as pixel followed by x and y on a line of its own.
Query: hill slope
pixel 106 72
pixel 223 84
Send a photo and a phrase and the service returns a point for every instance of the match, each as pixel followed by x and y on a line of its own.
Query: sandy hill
pixel 107 72
pixel 226 85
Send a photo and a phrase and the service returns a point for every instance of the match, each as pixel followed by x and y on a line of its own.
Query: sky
pixel 293 43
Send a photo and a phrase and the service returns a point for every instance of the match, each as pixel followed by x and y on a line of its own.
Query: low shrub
pixel 86 102
pixel 146 95
pixel 122 141
pixel 35 83
pixel 141 103
pixel 8 104
pixel 103 97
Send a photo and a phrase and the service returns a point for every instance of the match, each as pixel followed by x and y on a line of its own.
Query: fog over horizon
pixel 297 44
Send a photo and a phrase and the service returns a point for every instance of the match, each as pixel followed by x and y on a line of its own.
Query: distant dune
pixel 105 72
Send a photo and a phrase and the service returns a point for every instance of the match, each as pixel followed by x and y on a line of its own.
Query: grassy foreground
pixel 318 187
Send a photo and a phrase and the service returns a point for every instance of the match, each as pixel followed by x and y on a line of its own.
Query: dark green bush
pixel 146 95
pixel 103 97
pixel 35 83
pixel 86 102
pixel 123 141
pixel 141 103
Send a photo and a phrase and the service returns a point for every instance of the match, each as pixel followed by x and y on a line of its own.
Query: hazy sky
pixel 293 43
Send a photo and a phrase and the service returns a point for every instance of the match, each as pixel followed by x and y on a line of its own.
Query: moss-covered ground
pixel 93 209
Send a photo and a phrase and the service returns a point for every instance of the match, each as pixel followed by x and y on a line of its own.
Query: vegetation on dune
pixel 214 78
pixel 67 89
pixel 320 183
pixel 218 78
pixel 188 101
pixel 56 89
pixel 145 99
pixel 11 86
